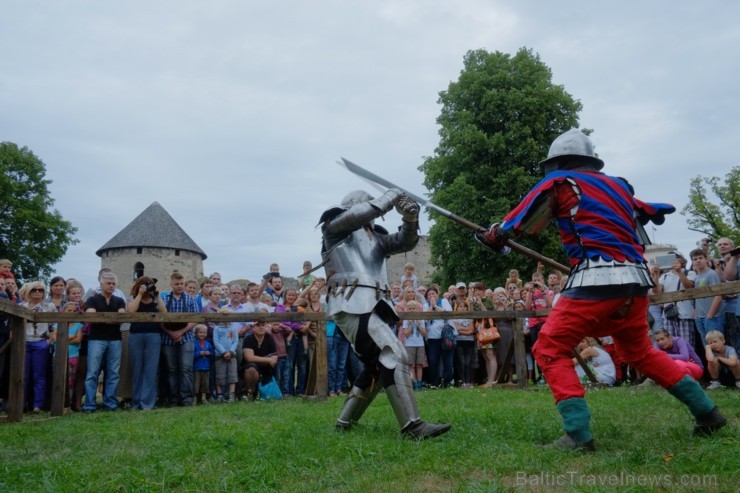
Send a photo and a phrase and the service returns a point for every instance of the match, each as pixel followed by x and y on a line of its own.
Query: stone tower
pixel 154 245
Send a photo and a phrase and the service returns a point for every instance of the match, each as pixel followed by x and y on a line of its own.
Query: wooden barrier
pixel 20 315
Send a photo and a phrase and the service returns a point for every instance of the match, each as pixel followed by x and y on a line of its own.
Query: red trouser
pixel 572 320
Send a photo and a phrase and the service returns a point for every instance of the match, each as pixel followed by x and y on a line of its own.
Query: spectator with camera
pixel 144 343
pixel 538 297
pixel 729 270
pixel 678 318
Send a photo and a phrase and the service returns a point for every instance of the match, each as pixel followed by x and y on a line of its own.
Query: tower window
pixel 139 250
pixel 177 252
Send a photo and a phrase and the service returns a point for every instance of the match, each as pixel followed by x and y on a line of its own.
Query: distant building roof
pixel 153 228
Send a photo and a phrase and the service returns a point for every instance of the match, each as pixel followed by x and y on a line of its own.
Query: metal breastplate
pixel 356 273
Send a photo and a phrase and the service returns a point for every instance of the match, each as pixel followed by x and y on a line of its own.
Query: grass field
pixel 643 436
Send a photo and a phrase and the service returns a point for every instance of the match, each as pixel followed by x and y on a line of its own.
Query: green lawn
pixel 643 436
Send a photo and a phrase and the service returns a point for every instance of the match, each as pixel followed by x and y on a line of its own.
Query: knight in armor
pixel 355 251
pixel 601 228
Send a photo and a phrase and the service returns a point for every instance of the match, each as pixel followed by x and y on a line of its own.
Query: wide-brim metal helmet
pixel 573 149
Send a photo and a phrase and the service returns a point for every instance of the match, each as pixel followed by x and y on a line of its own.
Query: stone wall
pixel 158 263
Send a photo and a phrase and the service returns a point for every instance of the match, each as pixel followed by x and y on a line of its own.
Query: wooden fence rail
pixel 19 316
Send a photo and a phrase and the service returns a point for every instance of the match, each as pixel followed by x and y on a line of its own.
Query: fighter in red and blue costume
pixel 600 224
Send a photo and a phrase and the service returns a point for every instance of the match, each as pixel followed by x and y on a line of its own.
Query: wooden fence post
pixel 59 385
pixel 520 354
pixel 17 375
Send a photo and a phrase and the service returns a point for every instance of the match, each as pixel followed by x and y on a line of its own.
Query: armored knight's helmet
pixel 356 197
pixel 573 149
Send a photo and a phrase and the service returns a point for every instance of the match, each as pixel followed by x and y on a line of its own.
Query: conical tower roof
pixel 153 228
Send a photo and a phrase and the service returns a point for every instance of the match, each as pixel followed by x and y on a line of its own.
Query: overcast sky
pixel 232 114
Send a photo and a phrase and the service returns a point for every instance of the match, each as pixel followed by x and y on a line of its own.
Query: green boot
pixel 708 417
pixel 576 422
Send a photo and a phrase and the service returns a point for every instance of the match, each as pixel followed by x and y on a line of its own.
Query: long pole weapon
pixel 375 179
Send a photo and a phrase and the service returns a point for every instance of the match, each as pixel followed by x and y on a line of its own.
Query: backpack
pixel 449 340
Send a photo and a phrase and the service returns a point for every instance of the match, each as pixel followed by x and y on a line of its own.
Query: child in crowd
pixel 465 349
pixel 202 364
pixel 598 360
pixel 5 267
pixel 225 341
pixel 74 338
pixel 513 279
pixel 722 361
pixel 414 332
pixel 408 274
pixel 306 279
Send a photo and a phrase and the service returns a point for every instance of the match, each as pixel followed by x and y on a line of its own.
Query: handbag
pixel 449 339
pixel 670 311
pixel 270 391
pixel 488 335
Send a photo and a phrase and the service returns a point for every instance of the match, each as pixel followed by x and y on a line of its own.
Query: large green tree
pixel 32 234
pixel 497 123
pixel 715 220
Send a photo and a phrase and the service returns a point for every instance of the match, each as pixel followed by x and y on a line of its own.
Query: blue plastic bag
pixel 270 391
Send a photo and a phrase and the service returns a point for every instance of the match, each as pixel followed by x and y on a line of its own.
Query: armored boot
pixel 355 405
pixel 403 402
pixel 577 425
pixel 707 415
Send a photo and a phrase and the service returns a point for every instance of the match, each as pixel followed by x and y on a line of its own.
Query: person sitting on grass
pixel 680 351
pixel 598 360
pixel 722 361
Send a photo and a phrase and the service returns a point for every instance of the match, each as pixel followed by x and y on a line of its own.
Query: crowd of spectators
pixel 144 365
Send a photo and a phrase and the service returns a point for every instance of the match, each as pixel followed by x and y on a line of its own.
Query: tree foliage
pixel 32 234
pixel 715 220
pixel 497 123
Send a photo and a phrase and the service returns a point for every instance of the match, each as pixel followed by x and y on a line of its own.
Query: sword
pixel 377 180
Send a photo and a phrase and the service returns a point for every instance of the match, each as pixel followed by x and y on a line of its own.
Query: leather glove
pixel 494 239
pixel 408 209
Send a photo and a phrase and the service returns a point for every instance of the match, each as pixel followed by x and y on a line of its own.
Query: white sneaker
pixel 647 382
pixel 714 385
pixel 737 384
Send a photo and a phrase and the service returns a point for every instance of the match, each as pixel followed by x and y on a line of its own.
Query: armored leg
pixel 355 405
pixel 401 396
pixel 385 359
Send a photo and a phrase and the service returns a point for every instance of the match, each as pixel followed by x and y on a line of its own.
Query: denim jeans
pixel 296 360
pixel 282 374
pixel 355 365
pixel 435 356
pixel 143 353
pixel 178 360
pixel 101 353
pixel 37 360
pixel 705 325
pixel 337 348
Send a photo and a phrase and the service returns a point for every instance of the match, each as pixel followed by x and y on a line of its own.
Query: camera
pixel 151 288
